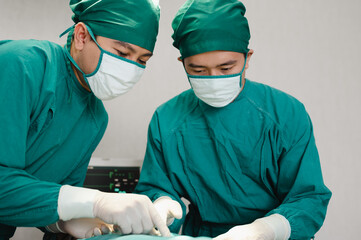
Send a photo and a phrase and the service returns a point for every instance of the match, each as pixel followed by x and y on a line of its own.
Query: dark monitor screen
pixel 112 179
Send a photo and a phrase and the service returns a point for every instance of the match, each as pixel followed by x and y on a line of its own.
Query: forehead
pixel 116 43
pixel 213 58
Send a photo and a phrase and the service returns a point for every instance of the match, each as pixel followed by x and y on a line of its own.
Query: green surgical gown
pixel 49 127
pixel 253 158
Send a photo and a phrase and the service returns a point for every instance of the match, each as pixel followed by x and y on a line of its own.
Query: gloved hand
pixel 81 227
pixel 273 227
pixel 131 213
pixel 168 209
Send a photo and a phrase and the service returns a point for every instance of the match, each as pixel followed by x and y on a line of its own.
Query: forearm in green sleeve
pixel 25 200
pixel 154 181
pixel 301 188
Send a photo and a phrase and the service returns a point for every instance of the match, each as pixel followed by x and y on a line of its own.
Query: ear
pixel 249 55
pixel 81 36
pixel 180 59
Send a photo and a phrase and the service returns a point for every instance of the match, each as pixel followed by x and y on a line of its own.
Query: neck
pixel 77 73
pixel 243 82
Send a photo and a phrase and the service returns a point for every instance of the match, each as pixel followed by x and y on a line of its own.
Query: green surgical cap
pixel 209 25
pixel 132 21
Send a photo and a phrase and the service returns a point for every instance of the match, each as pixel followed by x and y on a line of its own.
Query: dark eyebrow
pixel 227 63
pixel 147 55
pixel 128 46
pixel 192 65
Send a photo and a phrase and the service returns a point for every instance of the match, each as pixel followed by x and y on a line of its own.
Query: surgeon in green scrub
pixel 52 118
pixel 242 153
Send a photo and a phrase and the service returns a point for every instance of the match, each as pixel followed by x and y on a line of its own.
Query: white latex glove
pixel 273 227
pixel 131 213
pixel 168 209
pixel 81 227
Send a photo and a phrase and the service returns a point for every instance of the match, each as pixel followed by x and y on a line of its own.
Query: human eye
pixel 142 62
pixel 120 53
pixel 225 69
pixel 144 59
pixel 198 70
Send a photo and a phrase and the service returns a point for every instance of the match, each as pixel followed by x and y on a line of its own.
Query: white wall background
pixel 308 48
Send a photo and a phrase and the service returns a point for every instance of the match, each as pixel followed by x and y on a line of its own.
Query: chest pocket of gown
pixel 41 123
pixel 36 133
pixel 48 119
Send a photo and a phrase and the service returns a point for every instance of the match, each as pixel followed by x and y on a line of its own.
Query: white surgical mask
pixel 217 91
pixel 113 76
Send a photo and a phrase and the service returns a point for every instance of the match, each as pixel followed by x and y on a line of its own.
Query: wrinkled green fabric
pixel 135 22
pixel 255 157
pixel 208 25
pixel 50 126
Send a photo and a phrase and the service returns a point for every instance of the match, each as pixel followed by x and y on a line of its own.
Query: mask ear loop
pixel 184 67
pixel 93 37
pixel 100 57
pixel 69 30
pixel 244 67
pixel 67 52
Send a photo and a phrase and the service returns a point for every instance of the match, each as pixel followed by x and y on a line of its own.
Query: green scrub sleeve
pixel 155 177
pixel 24 199
pixel 27 201
pixel 300 182
pixel 77 177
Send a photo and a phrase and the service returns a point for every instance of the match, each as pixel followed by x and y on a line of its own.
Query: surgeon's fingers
pixel 137 226
pixel 93 232
pixel 139 216
pixel 125 228
pixel 158 222
pixel 124 224
pixel 146 219
pixel 147 225
pixel 117 230
pixel 106 228
pixel 154 232
pixel 97 232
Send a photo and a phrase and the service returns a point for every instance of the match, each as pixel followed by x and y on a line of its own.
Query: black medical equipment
pixel 112 179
